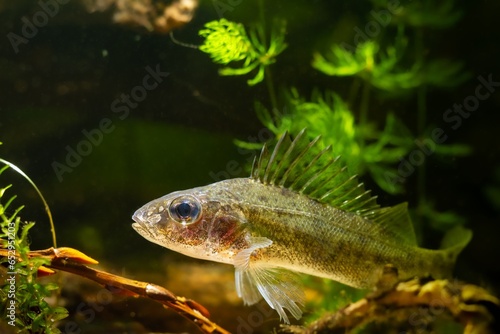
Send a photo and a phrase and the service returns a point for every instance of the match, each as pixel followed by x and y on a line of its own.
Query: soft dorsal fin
pixel 396 222
pixel 301 165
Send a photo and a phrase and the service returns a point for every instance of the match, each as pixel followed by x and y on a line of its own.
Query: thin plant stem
pixel 353 91
pixel 363 108
pixel 46 206
pixel 270 89
pixel 262 22
pixel 421 120
pixel 268 74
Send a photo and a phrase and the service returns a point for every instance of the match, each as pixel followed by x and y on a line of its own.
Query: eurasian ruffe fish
pixel 299 211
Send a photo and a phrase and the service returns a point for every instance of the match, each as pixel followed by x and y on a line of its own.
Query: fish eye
pixel 185 210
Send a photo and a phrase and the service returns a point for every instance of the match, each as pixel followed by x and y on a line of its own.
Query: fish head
pixel 193 222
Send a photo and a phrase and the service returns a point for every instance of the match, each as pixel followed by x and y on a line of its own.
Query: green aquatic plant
pixel 344 295
pixel 386 69
pixel 367 61
pixel 228 42
pixel 23 298
pixel 441 220
pixel 40 195
pixel 424 13
pixel 362 147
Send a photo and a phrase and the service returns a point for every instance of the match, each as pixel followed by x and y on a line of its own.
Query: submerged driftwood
pixel 73 261
pixel 412 307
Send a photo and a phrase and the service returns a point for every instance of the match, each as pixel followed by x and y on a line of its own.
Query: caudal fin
pixel 455 240
pixel 453 243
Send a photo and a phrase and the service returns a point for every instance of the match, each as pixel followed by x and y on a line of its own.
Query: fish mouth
pixel 140 225
pixel 142 229
pixel 139 217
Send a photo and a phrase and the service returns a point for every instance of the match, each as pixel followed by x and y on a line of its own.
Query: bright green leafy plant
pixel 23 298
pixel 386 69
pixel 378 68
pixel 228 42
pixel 363 148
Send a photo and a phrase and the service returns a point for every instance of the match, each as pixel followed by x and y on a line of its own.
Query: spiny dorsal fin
pixel 301 165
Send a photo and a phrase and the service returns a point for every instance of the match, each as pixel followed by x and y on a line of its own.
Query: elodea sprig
pixel 227 42
pixel 363 148
pixel 23 303
pixel 385 69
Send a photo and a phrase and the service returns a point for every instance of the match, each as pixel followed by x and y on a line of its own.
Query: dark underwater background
pixel 97 160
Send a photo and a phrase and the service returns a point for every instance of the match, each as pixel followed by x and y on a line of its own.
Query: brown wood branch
pixel 73 261
pixel 414 304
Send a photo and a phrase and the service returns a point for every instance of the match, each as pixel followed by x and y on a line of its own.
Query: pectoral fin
pixel 280 288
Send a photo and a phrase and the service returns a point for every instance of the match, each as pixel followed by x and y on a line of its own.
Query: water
pixel 107 116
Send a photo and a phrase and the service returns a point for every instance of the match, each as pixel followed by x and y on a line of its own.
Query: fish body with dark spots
pixel 299 212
